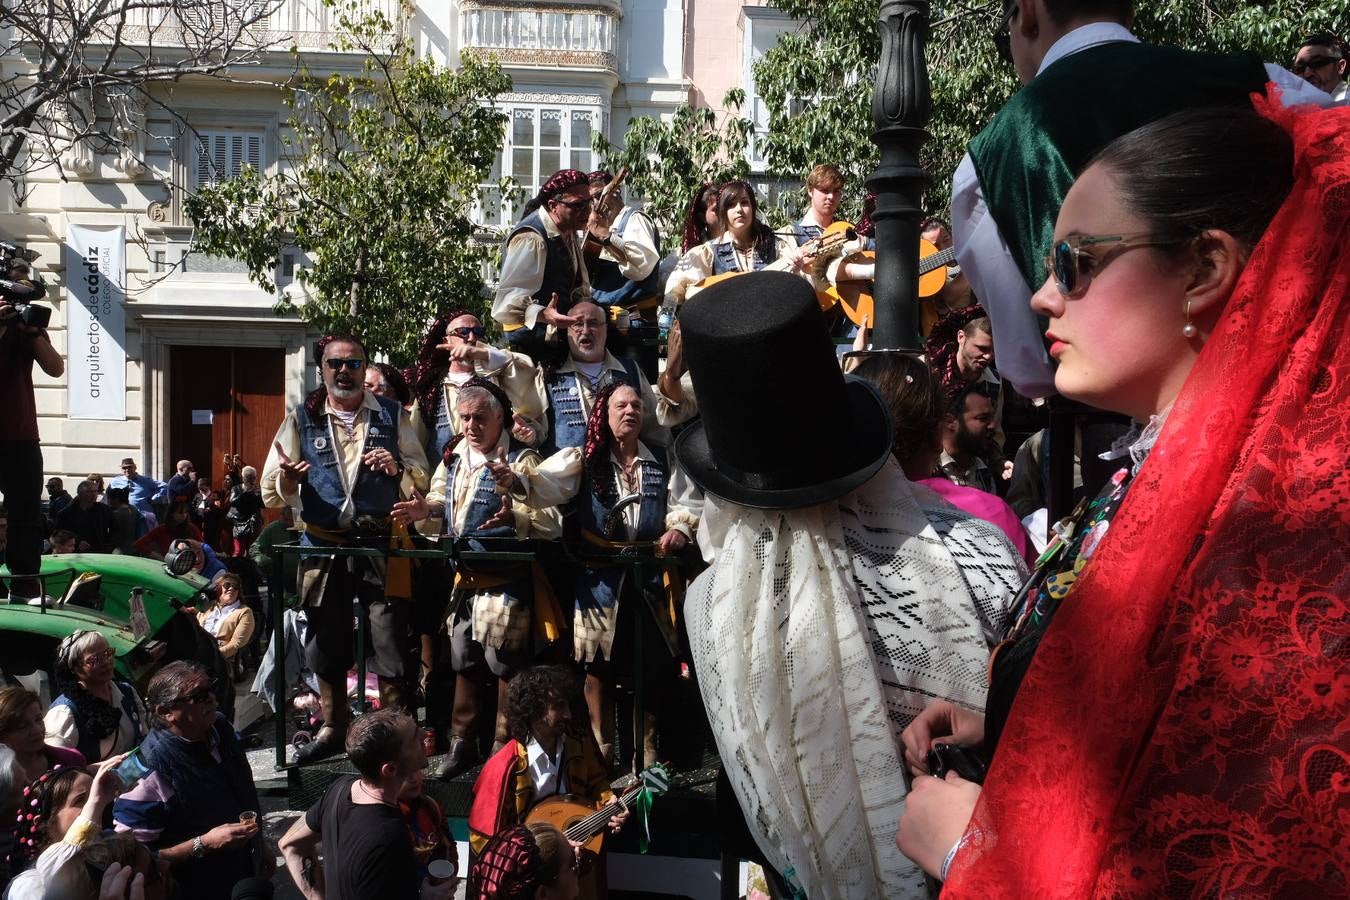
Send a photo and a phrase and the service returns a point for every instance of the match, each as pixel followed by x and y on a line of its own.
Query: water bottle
pixel 666 320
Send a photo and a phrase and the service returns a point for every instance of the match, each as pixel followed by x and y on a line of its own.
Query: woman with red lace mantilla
pixel 1169 720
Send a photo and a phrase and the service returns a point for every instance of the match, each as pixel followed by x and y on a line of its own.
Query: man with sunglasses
pixel 341 460
pixel 188 807
pixel 1321 62
pixel 543 267
pixel 1071 56
pixel 453 351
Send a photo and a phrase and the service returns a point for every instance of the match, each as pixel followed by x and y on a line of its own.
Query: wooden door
pixel 224 400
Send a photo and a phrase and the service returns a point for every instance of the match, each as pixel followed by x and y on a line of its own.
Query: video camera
pixel 22 287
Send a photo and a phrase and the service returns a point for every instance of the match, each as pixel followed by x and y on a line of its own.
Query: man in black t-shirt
pixel 367 847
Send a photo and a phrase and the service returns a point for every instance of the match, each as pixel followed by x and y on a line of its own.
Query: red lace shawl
pixel 1184 730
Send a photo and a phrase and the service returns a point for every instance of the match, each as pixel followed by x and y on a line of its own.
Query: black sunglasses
pixel 463 332
pixel 574 204
pixel 1003 35
pixel 337 364
pixel 1315 62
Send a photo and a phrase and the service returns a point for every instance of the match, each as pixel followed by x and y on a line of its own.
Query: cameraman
pixel 20 454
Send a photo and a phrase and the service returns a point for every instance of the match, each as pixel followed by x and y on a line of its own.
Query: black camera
pixel 21 287
pixel 964 761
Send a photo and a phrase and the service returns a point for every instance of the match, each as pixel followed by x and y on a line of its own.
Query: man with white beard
pixel 341 460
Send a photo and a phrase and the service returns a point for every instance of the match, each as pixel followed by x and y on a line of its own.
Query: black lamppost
pixel 900 107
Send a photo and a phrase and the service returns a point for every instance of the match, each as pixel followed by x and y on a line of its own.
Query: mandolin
pixel 853 297
pixel 590 247
pixel 585 824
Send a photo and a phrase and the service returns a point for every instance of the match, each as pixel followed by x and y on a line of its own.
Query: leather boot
pixel 500 735
pixel 463 752
pixel 462 757
pixel 329 740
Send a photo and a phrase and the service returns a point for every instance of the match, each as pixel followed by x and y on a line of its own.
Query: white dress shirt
pixel 546 774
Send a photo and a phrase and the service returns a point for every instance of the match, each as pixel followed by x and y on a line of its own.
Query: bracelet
pixel 198 848
pixel 951 855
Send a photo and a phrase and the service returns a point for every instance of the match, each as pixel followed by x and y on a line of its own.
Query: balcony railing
pixel 546 36
pixel 265 24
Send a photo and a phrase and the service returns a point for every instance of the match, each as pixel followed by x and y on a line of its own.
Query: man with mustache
pixel 341 460
pixel 569 392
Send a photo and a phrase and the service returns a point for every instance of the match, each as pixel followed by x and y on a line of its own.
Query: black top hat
pixel 781 427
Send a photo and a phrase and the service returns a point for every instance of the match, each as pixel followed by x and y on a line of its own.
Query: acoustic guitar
pixel 585 824
pixel 829 245
pixel 853 297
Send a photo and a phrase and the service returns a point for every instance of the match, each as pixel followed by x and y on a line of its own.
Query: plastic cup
pixel 248 817
pixel 440 871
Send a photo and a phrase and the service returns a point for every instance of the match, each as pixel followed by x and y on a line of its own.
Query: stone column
pixel 900 107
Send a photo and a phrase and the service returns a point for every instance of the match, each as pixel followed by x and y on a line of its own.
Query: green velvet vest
pixel 1028 156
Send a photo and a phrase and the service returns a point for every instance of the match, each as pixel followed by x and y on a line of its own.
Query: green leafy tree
pixel 669 162
pixel 382 173
pixel 817 82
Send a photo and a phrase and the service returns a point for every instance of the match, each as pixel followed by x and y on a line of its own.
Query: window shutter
pixel 223 154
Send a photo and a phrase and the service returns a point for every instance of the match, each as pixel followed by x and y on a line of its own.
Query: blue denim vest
pixel 599 586
pixel 610 287
pixel 322 494
pixel 724 259
pixel 484 501
pixel 560 275
pixel 566 419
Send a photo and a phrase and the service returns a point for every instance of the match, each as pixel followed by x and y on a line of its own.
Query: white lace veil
pixel 817 634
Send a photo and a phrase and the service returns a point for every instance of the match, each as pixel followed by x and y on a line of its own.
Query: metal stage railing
pixel 639 558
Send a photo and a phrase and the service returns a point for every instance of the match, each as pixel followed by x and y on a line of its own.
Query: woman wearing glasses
pixel 1166 715
pixel 96 714
pixel 229 620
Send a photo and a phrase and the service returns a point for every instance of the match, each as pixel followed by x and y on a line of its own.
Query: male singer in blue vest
pixel 543 268
pixel 625 268
pixel 1071 56
pixel 479 490
pixel 342 459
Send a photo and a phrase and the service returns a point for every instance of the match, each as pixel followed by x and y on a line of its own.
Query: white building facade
pixel 209 367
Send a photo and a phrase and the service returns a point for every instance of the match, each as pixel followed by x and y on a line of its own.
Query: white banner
pixel 96 324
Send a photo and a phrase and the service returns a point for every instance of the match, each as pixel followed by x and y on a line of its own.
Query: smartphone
pixel 132 769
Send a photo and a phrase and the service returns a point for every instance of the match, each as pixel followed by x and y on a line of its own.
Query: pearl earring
pixel 1189 330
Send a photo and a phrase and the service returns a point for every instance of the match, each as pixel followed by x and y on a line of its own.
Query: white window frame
pixel 567 158
pixel 764 20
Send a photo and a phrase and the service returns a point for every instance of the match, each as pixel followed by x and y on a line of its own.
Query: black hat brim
pixel 868 448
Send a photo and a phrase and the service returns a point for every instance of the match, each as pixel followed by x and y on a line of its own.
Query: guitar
pixel 853 297
pixel 585 824
pixel 826 247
